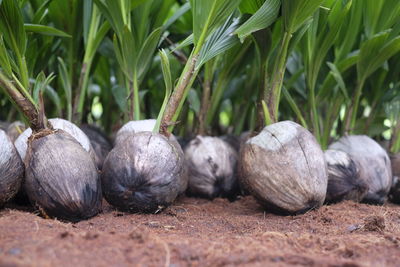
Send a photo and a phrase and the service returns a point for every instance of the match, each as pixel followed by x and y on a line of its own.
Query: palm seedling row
pixel 294 102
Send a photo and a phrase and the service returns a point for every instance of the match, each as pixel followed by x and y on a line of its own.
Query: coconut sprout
pixel 344 182
pixel 373 162
pixel 11 169
pixel 283 167
pixel 145 173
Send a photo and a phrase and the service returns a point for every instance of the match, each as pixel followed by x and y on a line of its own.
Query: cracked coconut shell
pixel 61 178
pixel 11 169
pixel 344 182
pixel 212 168
pixel 373 162
pixel 283 167
pixel 143 173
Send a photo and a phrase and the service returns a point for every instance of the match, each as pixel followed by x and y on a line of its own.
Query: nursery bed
pixel 197 232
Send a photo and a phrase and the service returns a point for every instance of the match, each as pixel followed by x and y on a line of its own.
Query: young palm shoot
pixel 61 178
pixel 267 168
pixel 145 171
pixel 155 173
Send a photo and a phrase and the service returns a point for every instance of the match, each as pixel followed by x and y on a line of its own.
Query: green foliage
pixel 334 64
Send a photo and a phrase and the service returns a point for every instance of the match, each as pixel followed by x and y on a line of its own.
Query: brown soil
pixel 197 232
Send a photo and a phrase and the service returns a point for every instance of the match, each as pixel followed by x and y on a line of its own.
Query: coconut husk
pixel 22 141
pixel 61 177
pixel 11 169
pixel 134 127
pixel 344 182
pixel 144 173
pixel 212 168
pixel 373 163
pixel 283 167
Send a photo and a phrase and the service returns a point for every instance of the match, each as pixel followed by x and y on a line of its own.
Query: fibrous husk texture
pixel 22 141
pixel 212 167
pixel 100 143
pixel 344 182
pixel 11 169
pixel 394 195
pixel 373 162
pixel 144 173
pixel 283 167
pixel 61 177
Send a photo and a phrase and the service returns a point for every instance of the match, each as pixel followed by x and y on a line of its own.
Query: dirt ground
pixel 197 232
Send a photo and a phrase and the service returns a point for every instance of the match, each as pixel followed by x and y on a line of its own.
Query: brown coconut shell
pixel 144 173
pixel 373 162
pixel 344 182
pixel 11 169
pixel 283 167
pixel 212 169
pixel 61 177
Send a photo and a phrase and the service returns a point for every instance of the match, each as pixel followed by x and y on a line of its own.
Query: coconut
pixel 61 178
pixel 143 173
pixel 15 129
pixel 283 167
pixel 344 182
pixel 134 127
pixel 394 195
pixel 147 126
pixel 22 141
pixel 212 168
pixel 373 162
pixel 99 141
pixel 11 169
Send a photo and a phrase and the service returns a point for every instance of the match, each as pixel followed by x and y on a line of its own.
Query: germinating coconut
pixel 11 169
pixel 61 177
pixel 344 182
pixel 212 167
pixel 22 141
pixel 144 172
pixel 283 167
pixel 373 162
pixel 100 143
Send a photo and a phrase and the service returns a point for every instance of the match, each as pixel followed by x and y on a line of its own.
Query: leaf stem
pixel 351 115
pixel 275 86
pixel 26 106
